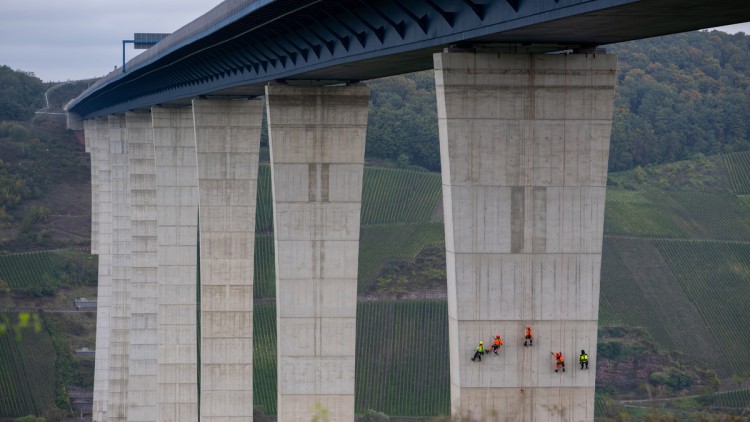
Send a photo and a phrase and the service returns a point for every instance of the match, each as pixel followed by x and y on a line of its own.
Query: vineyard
pixel 402 364
pixel 264 201
pixel 630 213
pixel 638 288
pixel 716 278
pixel 25 270
pixel 264 280
pixel 731 400
pixel 41 273
pixel 716 216
pixel 25 368
pixel 264 357
pixel 738 165
pixel 676 263
pixel 398 196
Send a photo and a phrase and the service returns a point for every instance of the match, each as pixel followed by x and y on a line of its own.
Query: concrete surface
pixel 227 136
pixel 142 375
pixel 177 234
pixel 119 334
pixel 524 145
pixel 101 156
pixel 317 140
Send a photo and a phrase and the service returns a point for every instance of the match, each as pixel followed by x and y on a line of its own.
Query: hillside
pixel 675 275
pixel 676 96
pixel 674 283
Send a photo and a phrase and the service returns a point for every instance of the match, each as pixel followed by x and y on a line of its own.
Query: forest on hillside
pixel 676 96
pixel 21 94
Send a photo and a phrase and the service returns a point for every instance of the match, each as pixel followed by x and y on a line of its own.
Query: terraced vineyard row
pixel 731 400
pixel 701 215
pixel 25 368
pixel 738 165
pixel 402 358
pixel 264 280
pixel 402 364
pixel 716 277
pixel 625 215
pixel 622 299
pixel 426 234
pixel 264 357
pixel 396 196
pixel 264 201
pixel 24 270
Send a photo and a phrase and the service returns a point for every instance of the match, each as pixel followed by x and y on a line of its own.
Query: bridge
pixel 524 109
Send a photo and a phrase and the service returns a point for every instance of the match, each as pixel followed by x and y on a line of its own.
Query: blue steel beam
pixel 241 45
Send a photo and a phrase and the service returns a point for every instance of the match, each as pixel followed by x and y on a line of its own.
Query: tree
pixel 21 94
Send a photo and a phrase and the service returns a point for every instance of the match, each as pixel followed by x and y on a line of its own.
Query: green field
pixel 27 382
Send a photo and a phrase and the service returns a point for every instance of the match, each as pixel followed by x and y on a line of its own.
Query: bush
pixel 609 350
pixel 675 380
pixel 374 416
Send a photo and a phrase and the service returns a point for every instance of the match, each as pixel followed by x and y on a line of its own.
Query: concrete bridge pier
pixel 524 143
pixel 227 137
pixel 121 270
pixel 102 240
pixel 317 142
pixel 143 351
pixel 177 236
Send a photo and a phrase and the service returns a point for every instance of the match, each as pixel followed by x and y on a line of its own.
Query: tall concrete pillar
pixel 120 297
pixel 524 143
pixel 317 140
pixel 89 132
pixel 227 137
pixel 143 354
pixel 177 220
pixel 101 156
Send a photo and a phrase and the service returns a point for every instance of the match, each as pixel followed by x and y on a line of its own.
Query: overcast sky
pixel 63 40
pixel 60 40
